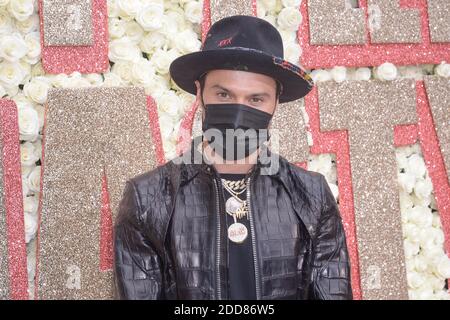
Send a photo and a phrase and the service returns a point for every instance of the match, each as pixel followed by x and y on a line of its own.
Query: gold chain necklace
pixel 235 206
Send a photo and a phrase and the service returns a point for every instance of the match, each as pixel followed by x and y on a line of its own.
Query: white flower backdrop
pixel 144 37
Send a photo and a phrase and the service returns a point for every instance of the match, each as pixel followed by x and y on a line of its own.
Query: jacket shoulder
pixel 153 190
pixel 311 180
pixel 153 183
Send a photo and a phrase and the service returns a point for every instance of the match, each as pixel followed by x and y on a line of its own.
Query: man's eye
pixel 223 94
pixel 257 99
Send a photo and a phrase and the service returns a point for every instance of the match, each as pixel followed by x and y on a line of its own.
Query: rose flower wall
pixel 117 44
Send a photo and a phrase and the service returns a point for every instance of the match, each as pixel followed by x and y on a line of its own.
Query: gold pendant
pixel 232 205
pixel 237 232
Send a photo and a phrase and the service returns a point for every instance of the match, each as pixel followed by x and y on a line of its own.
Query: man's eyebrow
pixel 251 95
pixel 219 87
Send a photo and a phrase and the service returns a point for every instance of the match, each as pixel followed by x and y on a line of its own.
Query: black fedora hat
pixel 247 43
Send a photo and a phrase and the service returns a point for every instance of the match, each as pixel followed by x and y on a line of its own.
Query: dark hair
pixel 202 79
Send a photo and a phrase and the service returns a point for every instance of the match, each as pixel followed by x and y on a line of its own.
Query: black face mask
pixel 233 130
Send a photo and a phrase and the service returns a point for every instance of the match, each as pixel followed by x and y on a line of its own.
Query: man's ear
pixel 198 98
pixel 198 94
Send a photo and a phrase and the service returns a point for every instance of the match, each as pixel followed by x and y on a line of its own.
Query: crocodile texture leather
pixel 165 244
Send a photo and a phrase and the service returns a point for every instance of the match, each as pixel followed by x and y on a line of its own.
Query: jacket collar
pixel 193 168
pixel 285 174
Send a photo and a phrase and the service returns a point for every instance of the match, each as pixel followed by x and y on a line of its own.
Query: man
pixel 243 222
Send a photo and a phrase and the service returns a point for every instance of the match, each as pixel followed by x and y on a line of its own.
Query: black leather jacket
pixel 170 241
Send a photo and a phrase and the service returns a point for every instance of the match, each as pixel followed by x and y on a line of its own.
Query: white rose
pixel 21 9
pixel 270 5
pixel 113 9
pixel 2 91
pixel 38 144
pixel 411 248
pixel 13 47
pixel 193 11
pixel 177 18
pixel 166 124
pixel 26 69
pixel 187 42
pixel 142 72
pixel 437 221
pixel 438 236
pixel 411 72
pixel 28 122
pixel 112 80
pixel 170 26
pixel 420 264
pixel 123 70
pixel 31 265
pixel 291 3
pixel 30 226
pixel 405 200
pixel 28 154
pixel 406 181
pixel 432 254
pixel 3 3
pixel 402 160
pixel 37 70
pixel 151 41
pixel 34 179
pixel 158 87
pixel 59 80
pixel 271 19
pixel 162 59
pixel 37 89
pixel 287 35
pixel 170 103
pixel 292 52
pixel 423 188
pixel 436 282
pixel 150 16
pixel 129 7
pixel 442 295
pixel 423 202
pixel 416 166
pixel 339 73
pixel 76 80
pixel 320 75
pixel 289 19
pixel 26 170
pixel 30 204
pixel 94 79
pixel 170 151
pixel 116 28
pixel 34 47
pixel 427 236
pixel 187 99
pixel 442 269
pixel 415 280
pixel 325 162
pixel 362 74
pixel 335 190
pixel 123 49
pixel 31 24
pixel 421 216
pixel 260 9
pixel 386 71
pixel 134 31
pixel 411 232
pixel 25 190
pixel 443 70
pixel 6 24
pixel 422 293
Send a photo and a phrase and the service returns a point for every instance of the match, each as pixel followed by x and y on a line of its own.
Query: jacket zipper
pixel 252 230
pixel 218 289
